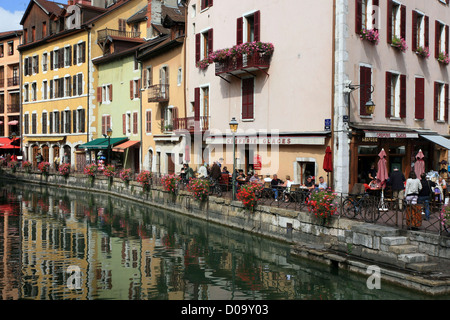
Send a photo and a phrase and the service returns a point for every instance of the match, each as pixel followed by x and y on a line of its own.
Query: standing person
pixel 66 158
pixel 39 158
pixel 56 161
pixel 372 172
pixel 215 172
pixel 397 181
pixel 412 189
pixel 425 195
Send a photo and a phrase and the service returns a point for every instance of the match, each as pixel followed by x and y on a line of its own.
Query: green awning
pixel 102 143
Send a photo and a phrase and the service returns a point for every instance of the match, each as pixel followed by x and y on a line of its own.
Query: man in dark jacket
pixel 425 194
pixel 397 181
pixel 215 172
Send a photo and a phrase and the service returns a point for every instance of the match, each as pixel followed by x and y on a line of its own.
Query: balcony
pixel 105 33
pixel 243 63
pixel 14 108
pixel 189 124
pixel 14 81
pixel 158 93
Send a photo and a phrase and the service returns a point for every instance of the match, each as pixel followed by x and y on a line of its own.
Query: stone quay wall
pixel 343 243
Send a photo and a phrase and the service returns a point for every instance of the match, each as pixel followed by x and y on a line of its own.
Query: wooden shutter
pixel 148 119
pixel 50 122
pixel 104 124
pixel 257 22
pixel 446 102
pixel 402 96
pixel 197 47
pixel 75 54
pixel 69 122
pixel 135 122
pixel 80 84
pixel 74 85
pixel 197 104
pixel 210 40
pixel 240 31
pixel 99 94
pixel 388 94
pixel 110 92
pixel 427 31
pixel 27 126
pixel 51 60
pixel 447 30
pixel 108 123
pixel 247 98
pixel 139 87
pixel 364 95
pixel 37 64
pixel 25 67
pixel 61 58
pixel 74 121
pixel 389 21
pixel 61 123
pixel 83 52
pixel 437 27
pixel 436 101
pixel 83 120
pixel 124 123
pixel 420 98
pixel 144 77
pixel 414 31
pixel 131 90
pixel 358 16
pixel 403 21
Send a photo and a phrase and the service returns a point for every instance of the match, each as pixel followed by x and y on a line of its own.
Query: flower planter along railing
pixel 247 55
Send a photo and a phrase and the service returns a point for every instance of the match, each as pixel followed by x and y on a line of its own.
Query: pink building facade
pixel 282 100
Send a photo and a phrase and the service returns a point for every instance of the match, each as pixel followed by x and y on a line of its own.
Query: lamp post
pixel 234 126
pixel 370 105
pixel 13 137
pixel 108 136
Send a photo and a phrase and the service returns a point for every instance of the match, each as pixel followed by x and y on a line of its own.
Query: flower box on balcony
pixel 423 52
pixel 399 43
pixel 444 58
pixel 370 35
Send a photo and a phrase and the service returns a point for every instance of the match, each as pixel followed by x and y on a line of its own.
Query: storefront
pixel 401 148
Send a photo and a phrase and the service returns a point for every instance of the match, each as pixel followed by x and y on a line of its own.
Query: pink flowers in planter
pixel 44 168
pixel 91 170
pixel 444 58
pixel 170 183
pixel 145 179
pixel 423 51
pixel 110 171
pixel 399 43
pixel 64 169
pixel 371 35
pixel 125 175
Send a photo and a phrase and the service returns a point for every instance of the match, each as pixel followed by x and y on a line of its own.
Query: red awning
pixel 122 147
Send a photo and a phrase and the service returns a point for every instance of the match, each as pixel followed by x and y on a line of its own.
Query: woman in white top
pixel 413 186
pixel 287 184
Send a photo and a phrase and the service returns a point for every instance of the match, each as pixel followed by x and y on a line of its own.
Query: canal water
pixel 60 244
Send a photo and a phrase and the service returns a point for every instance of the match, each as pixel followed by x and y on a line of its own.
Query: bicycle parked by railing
pixel 215 187
pixel 362 205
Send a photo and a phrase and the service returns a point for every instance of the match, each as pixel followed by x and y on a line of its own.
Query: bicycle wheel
pixel 349 208
pixel 218 190
pixel 370 210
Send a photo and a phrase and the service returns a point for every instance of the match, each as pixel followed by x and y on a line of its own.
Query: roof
pixel 49 7
pixel 141 15
pixel 122 147
pixel 145 52
pixel 10 34
pixel 175 14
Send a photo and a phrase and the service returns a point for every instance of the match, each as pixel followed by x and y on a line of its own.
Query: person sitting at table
pixel 322 184
pixel 241 176
pixel 225 170
pixel 309 183
pixel 255 179
pixel 287 184
pixel 203 171
pixel 274 184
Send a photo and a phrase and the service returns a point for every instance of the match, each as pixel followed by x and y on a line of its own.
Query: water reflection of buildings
pixel 128 252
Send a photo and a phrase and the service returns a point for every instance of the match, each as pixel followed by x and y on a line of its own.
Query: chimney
pixel 149 14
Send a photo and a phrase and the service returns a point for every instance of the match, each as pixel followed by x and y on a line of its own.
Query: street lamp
pixel 13 137
pixel 370 105
pixel 108 136
pixel 234 126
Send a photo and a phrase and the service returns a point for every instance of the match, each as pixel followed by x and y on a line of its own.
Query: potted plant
pixel 91 170
pixel 247 194
pixel 370 35
pixel 12 165
pixel 199 189
pixel 423 52
pixel 321 205
pixel 27 166
pixel 64 170
pixel 44 168
pixel 145 179
pixel 399 43
pixel 170 183
pixel 125 175
pixel 444 58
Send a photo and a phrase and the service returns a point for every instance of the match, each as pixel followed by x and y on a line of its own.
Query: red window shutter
pixel 197 47
pixel 436 100
pixel 240 31
pixel 402 96
pixel 446 102
pixel 403 21
pixel 437 35
pixel 131 90
pixel 210 40
pixel 148 119
pixel 414 31
pixel 197 104
pixel 364 95
pixel 420 98
pixel 427 31
pixel 389 21
pixel 247 98
pixel 203 4
pixel 358 16
pixel 139 88
pixel 210 3
pixel 99 94
pixel 124 123
pixel 257 21
pixel 388 94
pixel 110 93
pixel 135 123
pixel 108 123
pixel 104 125
pixel 447 29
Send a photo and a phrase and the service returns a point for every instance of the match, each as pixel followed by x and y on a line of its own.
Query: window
pixel 203 44
pixel 34 91
pixel 135 123
pixel 1 50
pixel 77 84
pixel 122 25
pixel 67 86
pixel 440 102
pixel 35 64
pixel 420 26
pixel 148 121
pixel 147 77
pixel 104 93
pixel 44 29
pixel 67 121
pixel 248 28
pixel 79 120
pixel 44 89
pixel 395 95
pixel 106 123
pixel 33 33
pixel 366 15
pixel 10 48
pixel 57 88
pixel 26 123
pixel 26 92
pixel 248 99
pixel 206 4
pixel 180 76
pixel 420 99
pixel 135 89
pixel 44 62
pixel 365 80
pixel 397 23
pixel 67 56
pixel 79 53
pixel 441 39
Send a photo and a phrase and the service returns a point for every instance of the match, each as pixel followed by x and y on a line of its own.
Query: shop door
pixel 80 161
pixel 45 153
pixel 170 164
pixel 136 160
pixel 35 152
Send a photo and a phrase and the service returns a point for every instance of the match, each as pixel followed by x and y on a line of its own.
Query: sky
pixel 11 12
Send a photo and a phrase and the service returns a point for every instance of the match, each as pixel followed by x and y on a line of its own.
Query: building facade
pixel 393 54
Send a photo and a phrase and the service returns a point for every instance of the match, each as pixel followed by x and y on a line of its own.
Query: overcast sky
pixel 11 12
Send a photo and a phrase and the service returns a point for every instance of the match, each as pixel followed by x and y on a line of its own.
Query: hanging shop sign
pixel 391 135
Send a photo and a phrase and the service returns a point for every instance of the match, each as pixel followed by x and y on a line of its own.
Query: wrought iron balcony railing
pixel 104 33
pixel 191 124
pixel 243 63
pixel 13 108
pixel 158 93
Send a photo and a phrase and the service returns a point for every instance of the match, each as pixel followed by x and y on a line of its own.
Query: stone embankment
pixel 413 259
